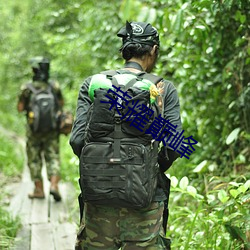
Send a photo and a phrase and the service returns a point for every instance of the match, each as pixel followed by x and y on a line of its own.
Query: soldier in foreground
pixel 124 192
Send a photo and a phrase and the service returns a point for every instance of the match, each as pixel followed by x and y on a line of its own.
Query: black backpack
pixel 43 109
pixel 118 164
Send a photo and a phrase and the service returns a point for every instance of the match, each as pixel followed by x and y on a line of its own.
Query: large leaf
pixel 232 136
pixel 178 21
pixel 222 196
pixel 184 183
pixel 200 167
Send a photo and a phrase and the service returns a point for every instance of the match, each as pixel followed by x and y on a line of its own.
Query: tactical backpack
pixel 43 110
pixel 118 164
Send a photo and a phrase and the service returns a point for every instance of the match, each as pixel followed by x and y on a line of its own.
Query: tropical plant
pixel 205 52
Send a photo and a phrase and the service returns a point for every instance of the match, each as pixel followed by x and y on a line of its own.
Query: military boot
pixel 54 179
pixel 38 191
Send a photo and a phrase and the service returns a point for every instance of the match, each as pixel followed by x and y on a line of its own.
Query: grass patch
pixel 11 166
pixel 8 229
pixel 11 156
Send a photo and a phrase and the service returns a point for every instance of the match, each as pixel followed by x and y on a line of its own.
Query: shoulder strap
pixel 51 84
pixel 35 91
pixel 52 89
pixel 153 78
pixel 32 88
pixel 109 73
pixel 131 83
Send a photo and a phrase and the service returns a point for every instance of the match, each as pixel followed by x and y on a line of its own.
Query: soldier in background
pixel 42 142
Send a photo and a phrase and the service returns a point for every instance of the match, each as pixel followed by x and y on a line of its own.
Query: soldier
pixel 109 226
pixel 42 132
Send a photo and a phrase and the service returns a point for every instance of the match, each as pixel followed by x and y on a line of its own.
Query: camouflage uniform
pixel 107 228
pixel 39 145
pixel 49 145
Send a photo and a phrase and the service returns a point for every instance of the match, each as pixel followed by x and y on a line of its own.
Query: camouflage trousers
pixel 43 149
pixel 121 228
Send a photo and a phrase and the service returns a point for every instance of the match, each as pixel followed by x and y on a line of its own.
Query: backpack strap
pixel 52 89
pixel 109 73
pixel 32 88
pixel 117 134
pixel 153 78
pixel 128 84
pixel 143 75
pixel 35 90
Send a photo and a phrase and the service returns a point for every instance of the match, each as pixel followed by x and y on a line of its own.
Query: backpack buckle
pixel 117 119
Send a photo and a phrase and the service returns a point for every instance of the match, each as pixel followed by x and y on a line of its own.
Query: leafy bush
pixel 11 166
pixel 11 156
pixel 219 219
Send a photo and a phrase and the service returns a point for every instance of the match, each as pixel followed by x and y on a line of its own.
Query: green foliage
pixel 11 165
pixel 9 225
pixel 11 156
pixel 69 163
pixel 205 52
pixel 199 54
pixel 8 229
pixel 217 220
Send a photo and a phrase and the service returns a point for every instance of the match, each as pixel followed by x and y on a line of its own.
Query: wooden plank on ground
pixel 71 202
pixel 25 209
pixel 62 211
pixel 22 240
pixel 26 173
pixel 64 235
pixel 69 194
pixel 45 222
pixel 58 211
pixel 18 192
pixel 42 237
pixel 40 210
pixel 40 207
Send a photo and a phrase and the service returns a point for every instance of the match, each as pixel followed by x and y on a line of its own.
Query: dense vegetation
pixel 205 51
